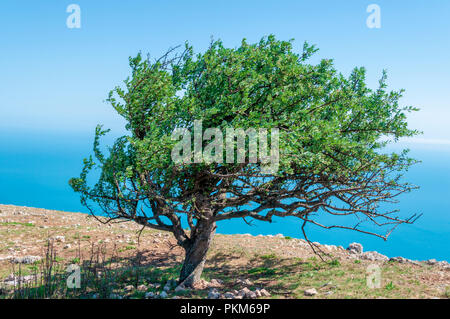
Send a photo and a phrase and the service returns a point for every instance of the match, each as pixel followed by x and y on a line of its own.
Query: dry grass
pixel 114 256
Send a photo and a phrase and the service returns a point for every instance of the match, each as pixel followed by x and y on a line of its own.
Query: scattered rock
pixel 180 287
pixel 169 285
pixel 243 292
pixel 355 248
pixel 163 295
pixel 60 239
pixel 213 294
pixel 252 295
pixel 215 283
pixel 26 259
pixel 13 280
pixel 142 288
pixel 149 295
pixel 247 293
pixel 129 288
pixel 264 293
pixel 400 260
pixel 431 262
pixel 330 247
pixel 2 258
pixel 245 282
pixel 326 284
pixel 310 292
pixel 228 295
pixel 374 256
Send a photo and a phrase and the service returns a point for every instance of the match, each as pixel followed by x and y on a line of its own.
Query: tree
pixel 332 132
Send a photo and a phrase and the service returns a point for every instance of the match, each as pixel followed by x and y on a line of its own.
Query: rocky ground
pixel 145 263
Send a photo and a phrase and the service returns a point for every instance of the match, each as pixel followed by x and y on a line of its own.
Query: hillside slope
pixel 126 263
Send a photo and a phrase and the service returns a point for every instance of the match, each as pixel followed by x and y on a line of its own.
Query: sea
pixel 35 168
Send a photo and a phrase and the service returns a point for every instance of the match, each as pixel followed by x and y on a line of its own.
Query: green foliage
pixel 390 286
pixel 262 271
pixel 268 256
pixel 335 263
pixel 333 130
pixel 16 224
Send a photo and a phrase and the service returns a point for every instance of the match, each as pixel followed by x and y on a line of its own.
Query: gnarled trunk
pixel 196 250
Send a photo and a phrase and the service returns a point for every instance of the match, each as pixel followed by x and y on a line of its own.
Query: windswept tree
pixel 331 133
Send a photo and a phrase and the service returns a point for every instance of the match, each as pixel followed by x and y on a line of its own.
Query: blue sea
pixel 35 168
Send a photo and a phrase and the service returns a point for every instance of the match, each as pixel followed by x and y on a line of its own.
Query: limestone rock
pixel 355 248
pixel 400 260
pixel 163 294
pixel 149 295
pixel 129 288
pixel 215 283
pixel 264 293
pixel 26 259
pixel 228 295
pixel 374 256
pixel 213 294
pixel 142 288
pixel 310 292
pixel 180 288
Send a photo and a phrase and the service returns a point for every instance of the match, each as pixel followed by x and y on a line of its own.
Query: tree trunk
pixel 196 251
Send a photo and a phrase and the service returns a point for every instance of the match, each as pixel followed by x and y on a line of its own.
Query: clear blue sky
pixel 55 79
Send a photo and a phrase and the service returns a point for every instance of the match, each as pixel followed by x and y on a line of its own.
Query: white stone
pixel 213 294
pixel 310 292
pixel 142 288
pixel 163 294
pixel 374 256
pixel 264 293
pixel 26 259
pixel 355 248
pixel 149 295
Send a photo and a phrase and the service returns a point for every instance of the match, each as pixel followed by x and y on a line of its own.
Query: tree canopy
pixel 331 133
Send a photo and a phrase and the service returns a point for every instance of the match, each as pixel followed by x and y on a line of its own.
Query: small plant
pixel 127 248
pixel 268 256
pixel 313 259
pixel 390 286
pixel 447 292
pixel 262 271
pixel 334 263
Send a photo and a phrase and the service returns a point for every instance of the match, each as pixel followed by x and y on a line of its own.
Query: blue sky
pixel 55 79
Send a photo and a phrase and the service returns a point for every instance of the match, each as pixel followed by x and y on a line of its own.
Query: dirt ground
pixel 285 267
